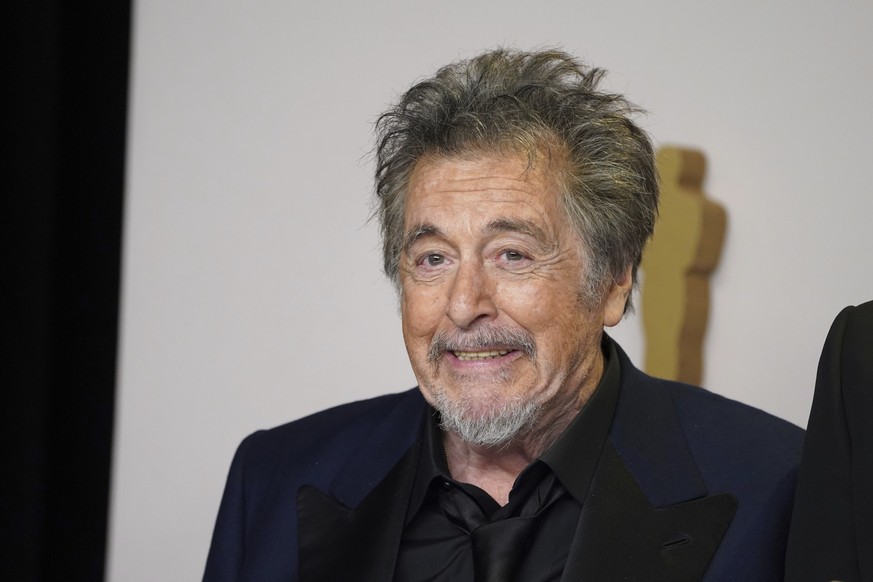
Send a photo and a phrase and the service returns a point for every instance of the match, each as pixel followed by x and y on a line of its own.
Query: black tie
pixel 501 536
pixel 499 547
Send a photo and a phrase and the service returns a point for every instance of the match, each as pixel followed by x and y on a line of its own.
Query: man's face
pixel 491 274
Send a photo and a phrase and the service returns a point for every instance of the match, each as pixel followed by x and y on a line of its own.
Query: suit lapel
pixel 621 536
pixel 338 543
pixel 647 516
pixel 352 530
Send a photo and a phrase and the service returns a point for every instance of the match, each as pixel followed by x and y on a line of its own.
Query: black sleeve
pixel 831 535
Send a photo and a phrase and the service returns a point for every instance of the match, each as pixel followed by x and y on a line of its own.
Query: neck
pixel 494 469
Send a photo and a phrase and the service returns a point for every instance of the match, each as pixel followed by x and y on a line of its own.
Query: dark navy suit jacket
pixel 689 486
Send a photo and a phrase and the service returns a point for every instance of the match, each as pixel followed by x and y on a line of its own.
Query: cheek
pixel 553 314
pixel 538 307
pixel 523 298
pixel 420 310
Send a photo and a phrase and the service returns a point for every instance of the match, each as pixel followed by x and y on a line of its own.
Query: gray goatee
pixel 505 419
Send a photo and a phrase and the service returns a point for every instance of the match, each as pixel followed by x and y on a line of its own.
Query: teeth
pixel 473 356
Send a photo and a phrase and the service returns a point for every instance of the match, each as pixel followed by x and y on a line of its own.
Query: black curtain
pixel 64 133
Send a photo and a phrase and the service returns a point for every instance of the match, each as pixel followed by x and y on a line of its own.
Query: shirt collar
pixel 573 457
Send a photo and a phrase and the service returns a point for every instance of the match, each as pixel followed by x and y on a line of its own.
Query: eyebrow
pixel 498 225
pixel 527 227
pixel 417 232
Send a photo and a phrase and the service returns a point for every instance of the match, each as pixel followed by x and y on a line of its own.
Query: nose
pixel 471 296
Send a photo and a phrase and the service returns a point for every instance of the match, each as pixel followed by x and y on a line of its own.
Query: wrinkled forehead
pixel 483 195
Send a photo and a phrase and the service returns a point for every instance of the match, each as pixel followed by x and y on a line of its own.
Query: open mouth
pixel 476 356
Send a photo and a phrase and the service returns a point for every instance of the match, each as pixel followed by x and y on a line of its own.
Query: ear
pixel 616 299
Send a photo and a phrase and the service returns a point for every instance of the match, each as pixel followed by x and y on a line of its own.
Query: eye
pixel 513 256
pixel 434 260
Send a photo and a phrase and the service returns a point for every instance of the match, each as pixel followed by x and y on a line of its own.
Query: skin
pixel 488 245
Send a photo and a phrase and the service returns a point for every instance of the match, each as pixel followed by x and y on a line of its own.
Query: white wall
pixel 252 292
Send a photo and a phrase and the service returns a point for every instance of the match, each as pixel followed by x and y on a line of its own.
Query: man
pixel 515 199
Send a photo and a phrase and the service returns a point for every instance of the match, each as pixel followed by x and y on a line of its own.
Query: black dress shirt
pixel 449 524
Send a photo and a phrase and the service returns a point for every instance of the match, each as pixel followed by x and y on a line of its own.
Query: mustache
pixel 481 338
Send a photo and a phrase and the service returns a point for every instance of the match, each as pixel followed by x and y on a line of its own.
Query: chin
pixel 487 421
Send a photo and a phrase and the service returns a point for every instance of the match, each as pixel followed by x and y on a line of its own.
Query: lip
pixel 493 362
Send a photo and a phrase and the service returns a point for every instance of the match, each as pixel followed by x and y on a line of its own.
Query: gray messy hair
pixel 542 104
